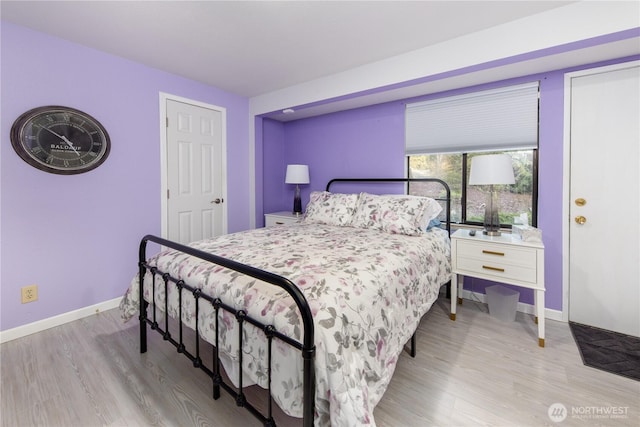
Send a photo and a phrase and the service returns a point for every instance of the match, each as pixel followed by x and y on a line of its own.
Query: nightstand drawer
pixel 280 218
pixel 498 270
pixel 270 221
pixel 494 253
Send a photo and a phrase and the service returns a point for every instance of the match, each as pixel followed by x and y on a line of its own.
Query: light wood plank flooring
pixel 474 371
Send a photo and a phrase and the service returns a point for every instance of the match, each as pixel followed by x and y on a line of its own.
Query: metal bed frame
pixel 306 347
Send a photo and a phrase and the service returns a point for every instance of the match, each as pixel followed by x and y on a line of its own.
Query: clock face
pixel 60 140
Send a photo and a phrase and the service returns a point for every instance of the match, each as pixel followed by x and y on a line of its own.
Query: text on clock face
pixel 63 148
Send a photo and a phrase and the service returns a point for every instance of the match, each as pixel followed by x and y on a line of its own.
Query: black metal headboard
pixel 446 199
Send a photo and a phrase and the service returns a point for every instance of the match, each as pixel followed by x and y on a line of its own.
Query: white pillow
pixel 331 208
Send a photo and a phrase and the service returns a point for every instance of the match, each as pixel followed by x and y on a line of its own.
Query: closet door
pixel 195 180
pixel 604 278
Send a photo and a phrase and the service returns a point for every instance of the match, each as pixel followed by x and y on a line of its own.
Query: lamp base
pixel 297 206
pixel 491 217
pixel 297 202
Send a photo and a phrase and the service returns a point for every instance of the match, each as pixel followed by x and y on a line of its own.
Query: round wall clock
pixel 60 140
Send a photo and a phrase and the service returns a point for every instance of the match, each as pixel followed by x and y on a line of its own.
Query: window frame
pixel 465 178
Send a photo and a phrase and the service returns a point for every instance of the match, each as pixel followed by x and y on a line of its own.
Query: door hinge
pixel 167 121
pixel 167 193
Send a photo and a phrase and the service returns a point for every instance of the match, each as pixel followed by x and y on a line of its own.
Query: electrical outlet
pixel 29 293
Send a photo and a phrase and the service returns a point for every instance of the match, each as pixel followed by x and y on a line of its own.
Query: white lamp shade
pixel 491 169
pixel 297 174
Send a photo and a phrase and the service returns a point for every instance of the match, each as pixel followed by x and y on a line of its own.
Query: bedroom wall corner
pixel 77 236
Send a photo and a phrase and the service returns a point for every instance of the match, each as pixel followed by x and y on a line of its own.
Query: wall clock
pixel 60 140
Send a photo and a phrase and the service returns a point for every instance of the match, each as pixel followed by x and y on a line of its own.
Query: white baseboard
pixel 522 307
pixel 61 319
pixel 44 324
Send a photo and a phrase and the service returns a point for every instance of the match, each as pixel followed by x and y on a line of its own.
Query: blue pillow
pixel 433 223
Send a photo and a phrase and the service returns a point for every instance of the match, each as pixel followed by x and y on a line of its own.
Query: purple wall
pixel 77 236
pixel 370 142
pixel 346 144
pixel 273 170
pixel 355 143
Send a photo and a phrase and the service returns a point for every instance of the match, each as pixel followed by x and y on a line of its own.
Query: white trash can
pixel 503 302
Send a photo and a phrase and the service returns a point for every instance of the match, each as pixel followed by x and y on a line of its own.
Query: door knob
pixel 580 219
pixel 217 201
pixel 580 201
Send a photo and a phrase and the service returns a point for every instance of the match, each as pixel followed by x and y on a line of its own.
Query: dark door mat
pixel 607 350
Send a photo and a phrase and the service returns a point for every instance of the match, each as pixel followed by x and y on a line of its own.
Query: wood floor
pixel 474 371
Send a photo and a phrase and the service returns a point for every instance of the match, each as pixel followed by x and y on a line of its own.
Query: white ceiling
pixel 254 47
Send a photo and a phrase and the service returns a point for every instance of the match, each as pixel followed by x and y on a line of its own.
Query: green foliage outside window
pixel 514 199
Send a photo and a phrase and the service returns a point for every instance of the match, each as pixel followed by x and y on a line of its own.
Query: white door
pixel 195 172
pixel 604 243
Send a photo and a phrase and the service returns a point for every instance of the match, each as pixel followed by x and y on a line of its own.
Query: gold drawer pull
pixel 493 268
pixel 279 223
pixel 492 252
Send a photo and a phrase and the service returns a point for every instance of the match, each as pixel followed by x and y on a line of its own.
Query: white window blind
pixel 497 119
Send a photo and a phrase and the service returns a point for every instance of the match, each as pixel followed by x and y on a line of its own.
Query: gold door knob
pixel 580 201
pixel 580 219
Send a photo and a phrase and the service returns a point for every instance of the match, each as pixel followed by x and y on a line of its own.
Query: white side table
pixel 280 218
pixel 505 259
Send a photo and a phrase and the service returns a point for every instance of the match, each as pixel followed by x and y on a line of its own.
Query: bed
pixel 317 313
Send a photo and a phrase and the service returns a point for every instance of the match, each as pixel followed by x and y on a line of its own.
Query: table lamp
pixel 491 169
pixel 297 174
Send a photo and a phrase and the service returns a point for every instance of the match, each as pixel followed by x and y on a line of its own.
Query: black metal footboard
pixel 307 346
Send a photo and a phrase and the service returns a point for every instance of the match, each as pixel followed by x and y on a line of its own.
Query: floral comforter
pixel 367 290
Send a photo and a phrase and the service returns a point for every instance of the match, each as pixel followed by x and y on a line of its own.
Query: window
pixel 468 201
pixel 442 134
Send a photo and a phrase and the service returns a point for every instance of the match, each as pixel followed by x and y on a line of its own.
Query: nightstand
pixel 505 259
pixel 280 218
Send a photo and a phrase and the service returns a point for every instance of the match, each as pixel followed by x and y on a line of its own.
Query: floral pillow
pixel 395 214
pixel 331 208
pixel 431 211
